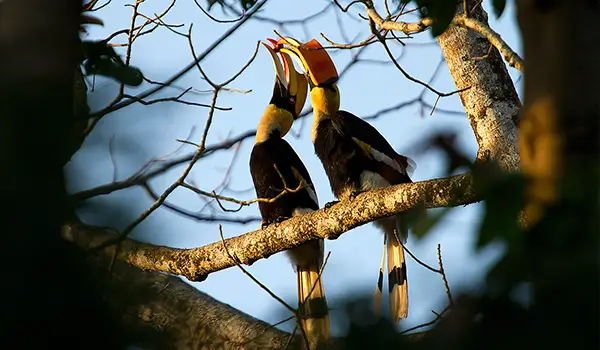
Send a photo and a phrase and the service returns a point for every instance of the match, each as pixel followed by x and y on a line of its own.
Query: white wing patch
pixel 301 211
pixel 379 156
pixel 412 166
pixel 309 188
pixel 370 181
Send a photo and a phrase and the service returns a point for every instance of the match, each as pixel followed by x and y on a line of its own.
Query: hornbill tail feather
pixel 397 282
pixel 313 306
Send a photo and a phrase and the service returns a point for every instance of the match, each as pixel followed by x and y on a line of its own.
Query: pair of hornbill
pixel 356 158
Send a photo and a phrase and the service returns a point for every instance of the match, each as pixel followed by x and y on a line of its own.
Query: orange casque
pixel 314 58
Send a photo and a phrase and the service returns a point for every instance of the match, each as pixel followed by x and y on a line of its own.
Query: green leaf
pixel 499 6
pixel 441 11
pixel 503 202
pixel 426 222
pixel 127 75
pixel 99 58
pixel 247 4
pixel 212 2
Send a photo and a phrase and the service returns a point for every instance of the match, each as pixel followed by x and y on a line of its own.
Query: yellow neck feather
pixel 326 103
pixel 274 118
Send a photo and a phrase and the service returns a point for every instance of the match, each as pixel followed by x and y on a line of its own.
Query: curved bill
pixel 313 57
pixel 293 82
pixel 279 72
pixel 297 83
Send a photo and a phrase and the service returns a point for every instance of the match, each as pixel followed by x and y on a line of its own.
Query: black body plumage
pixel 343 158
pixel 266 160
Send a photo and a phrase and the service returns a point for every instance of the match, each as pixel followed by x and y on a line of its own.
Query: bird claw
pixel 331 204
pixel 280 219
pixel 354 193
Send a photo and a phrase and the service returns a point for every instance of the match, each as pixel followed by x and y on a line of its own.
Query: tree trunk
pixel 48 301
pixel 491 102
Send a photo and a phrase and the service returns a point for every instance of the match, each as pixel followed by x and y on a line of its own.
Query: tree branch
pixel 513 59
pixel 197 263
pixel 492 103
pixel 160 311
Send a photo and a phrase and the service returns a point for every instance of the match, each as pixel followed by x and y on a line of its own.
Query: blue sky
pixel 141 133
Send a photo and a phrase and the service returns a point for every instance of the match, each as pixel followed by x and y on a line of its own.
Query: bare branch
pixel 220 20
pixel 345 9
pixel 175 99
pixel 511 57
pixel 329 223
pixel 405 27
pixel 444 278
pixel 142 176
pixel 198 216
pixel 281 23
pixel 438 316
pixel 408 76
pixel 178 75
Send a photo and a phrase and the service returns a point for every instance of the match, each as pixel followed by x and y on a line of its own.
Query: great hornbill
pixel 356 158
pixel 275 167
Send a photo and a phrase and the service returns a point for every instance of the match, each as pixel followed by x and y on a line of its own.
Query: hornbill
pixel 276 168
pixel 356 158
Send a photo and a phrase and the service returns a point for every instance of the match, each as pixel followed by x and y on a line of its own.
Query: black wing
pixel 272 163
pixel 377 147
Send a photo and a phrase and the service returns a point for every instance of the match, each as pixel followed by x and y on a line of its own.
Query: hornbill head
pixel 289 95
pixel 290 90
pixel 320 69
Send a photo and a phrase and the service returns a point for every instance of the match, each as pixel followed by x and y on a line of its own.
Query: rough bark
pixel 560 127
pixel 160 311
pixel 491 102
pixel 197 263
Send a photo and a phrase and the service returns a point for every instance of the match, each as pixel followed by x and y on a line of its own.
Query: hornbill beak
pixel 290 85
pixel 314 59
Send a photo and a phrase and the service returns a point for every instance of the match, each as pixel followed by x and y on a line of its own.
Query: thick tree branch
pixel 512 58
pixel 405 27
pixel 160 311
pixel 197 263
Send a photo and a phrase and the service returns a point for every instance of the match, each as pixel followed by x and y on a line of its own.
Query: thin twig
pixel 408 76
pixel 437 317
pixel 415 258
pixel 289 341
pixel 198 216
pixel 175 99
pixel 265 288
pixel 443 273
pixel 269 327
pixel 112 157
pixel 321 269
pixel 220 20
pixel 197 155
pixel 186 69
